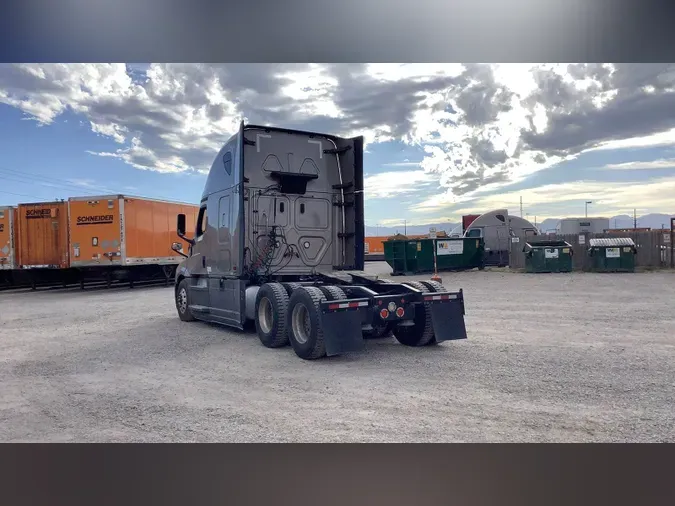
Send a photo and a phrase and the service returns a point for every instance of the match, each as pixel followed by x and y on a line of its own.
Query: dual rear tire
pixel 421 333
pixel 288 314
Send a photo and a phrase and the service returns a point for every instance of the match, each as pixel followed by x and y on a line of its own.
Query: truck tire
pixel 290 287
pixel 422 332
pixel 183 301
pixel 271 307
pixel 434 286
pixel 304 331
pixel 333 292
pixel 417 284
pixel 381 330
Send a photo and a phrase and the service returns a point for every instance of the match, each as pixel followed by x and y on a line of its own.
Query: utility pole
pixel 634 218
pixel 521 206
pixel 588 202
pixel 405 227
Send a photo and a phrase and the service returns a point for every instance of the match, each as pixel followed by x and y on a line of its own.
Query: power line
pixel 20 194
pixel 50 182
pixel 42 180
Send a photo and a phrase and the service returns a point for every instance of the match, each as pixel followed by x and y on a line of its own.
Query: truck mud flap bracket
pixel 447 315
pixel 341 322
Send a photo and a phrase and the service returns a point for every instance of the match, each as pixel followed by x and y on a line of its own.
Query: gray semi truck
pixel 279 243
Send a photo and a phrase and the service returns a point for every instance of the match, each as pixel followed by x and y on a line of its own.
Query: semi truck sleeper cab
pixel 279 243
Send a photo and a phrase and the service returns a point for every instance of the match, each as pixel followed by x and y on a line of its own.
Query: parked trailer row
pixel 110 237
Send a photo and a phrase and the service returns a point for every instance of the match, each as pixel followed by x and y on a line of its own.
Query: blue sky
pixel 441 141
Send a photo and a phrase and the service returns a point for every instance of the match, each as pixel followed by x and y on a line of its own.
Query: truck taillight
pixel 400 312
pixel 384 314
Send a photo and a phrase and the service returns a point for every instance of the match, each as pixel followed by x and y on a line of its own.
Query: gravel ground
pixel 567 358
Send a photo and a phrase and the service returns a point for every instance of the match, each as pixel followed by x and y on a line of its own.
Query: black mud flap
pixel 447 315
pixel 341 321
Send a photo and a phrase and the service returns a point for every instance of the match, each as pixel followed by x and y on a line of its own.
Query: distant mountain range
pixel 654 221
pixel 410 229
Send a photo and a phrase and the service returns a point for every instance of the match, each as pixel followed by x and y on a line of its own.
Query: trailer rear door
pixel 95 237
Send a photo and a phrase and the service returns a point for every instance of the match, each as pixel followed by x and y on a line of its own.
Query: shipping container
pixel 374 245
pixel 42 235
pixel 118 230
pixel 7 238
pixel 467 220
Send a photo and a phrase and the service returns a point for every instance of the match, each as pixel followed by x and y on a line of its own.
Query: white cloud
pixel 557 200
pixel 641 165
pixel 480 126
pixel 395 183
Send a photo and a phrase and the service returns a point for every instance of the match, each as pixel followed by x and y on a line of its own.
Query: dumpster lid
pixel 547 244
pixel 611 242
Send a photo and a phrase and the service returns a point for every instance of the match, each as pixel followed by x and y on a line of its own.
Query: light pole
pixel 588 202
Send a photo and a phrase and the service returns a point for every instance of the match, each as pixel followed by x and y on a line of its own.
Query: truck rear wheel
pixel 332 292
pixel 271 307
pixel 421 333
pixel 434 286
pixel 183 301
pixel 304 329
pixel 290 287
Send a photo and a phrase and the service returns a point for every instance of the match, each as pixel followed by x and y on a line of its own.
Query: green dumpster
pixel 548 256
pixel 616 254
pixel 416 256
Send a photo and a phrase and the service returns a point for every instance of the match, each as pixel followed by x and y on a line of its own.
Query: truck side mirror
pixel 180 225
pixel 178 248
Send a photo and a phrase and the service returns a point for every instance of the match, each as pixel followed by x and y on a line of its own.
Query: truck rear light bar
pixel 344 305
pixel 440 296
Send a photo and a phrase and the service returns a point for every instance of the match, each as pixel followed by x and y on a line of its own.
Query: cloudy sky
pixel 442 139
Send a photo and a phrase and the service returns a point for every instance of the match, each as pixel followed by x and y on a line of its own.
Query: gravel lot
pixel 577 357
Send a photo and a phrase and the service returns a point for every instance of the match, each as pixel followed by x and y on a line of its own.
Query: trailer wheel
pixel 422 332
pixel 183 301
pixel 304 331
pixel 290 287
pixel 333 292
pixel 271 306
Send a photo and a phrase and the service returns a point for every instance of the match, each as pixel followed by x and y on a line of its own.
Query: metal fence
pixel 655 248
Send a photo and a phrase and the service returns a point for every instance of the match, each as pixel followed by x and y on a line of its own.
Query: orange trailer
pixel 118 230
pixel 374 245
pixel 42 233
pixel 7 237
